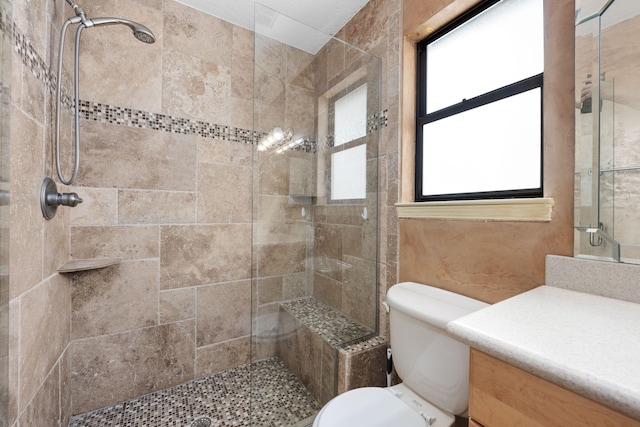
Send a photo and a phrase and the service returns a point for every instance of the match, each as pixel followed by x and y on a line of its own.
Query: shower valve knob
pixel 50 199
pixel 63 199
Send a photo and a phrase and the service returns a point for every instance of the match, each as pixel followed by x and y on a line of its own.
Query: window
pixel 349 161
pixel 479 110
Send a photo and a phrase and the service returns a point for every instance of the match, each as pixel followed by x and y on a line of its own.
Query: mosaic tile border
pixel 105 113
pixel 97 112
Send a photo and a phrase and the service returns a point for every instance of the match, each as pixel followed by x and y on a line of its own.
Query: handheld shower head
pixel 140 32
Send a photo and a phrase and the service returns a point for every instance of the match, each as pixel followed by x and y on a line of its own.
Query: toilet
pixel 433 366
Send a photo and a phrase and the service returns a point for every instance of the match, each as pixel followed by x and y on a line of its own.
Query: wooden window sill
pixel 524 210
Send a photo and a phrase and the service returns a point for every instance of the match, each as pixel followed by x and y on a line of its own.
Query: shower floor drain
pixel 201 422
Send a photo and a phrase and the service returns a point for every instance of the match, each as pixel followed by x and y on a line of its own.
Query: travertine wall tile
pixel 45 316
pixel 197 34
pixel 196 88
pixel 27 164
pixel 99 206
pixel 115 299
pixel 280 258
pixel 300 68
pixel 14 358
pixel 66 408
pixel 358 296
pixel 242 64
pixel 44 410
pixel 220 357
pixel 56 242
pixel 213 150
pixel 115 68
pixel 241 113
pixel 156 207
pixel 224 193
pixel 197 255
pixel 126 157
pixel 328 290
pixel 223 312
pixel 130 364
pixel 300 111
pixel 130 242
pixel 242 154
pixel 269 289
pixel 177 304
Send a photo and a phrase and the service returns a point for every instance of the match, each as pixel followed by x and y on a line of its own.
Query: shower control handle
pixel 63 199
pixel 50 199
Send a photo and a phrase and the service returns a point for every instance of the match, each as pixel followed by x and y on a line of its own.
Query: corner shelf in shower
pixel 88 264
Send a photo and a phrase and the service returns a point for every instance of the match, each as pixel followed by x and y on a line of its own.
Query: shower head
pixel 140 32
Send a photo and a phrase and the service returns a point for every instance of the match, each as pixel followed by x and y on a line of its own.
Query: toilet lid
pixel 368 407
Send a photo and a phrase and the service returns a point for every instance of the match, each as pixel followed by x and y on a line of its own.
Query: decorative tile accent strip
pixel 264 393
pixel 97 112
pixel 146 120
pixel 331 325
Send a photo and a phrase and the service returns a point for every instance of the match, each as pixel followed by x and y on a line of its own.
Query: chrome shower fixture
pixel 50 199
pixel 140 32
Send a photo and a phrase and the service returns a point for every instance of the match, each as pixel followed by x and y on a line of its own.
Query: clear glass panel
pixel 463 63
pixel 607 150
pixel 499 149
pixel 586 9
pixel 5 86
pixel 587 89
pixel 349 174
pixel 351 116
pixel 314 259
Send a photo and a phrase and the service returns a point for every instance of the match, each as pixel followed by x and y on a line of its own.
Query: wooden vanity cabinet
pixel 501 395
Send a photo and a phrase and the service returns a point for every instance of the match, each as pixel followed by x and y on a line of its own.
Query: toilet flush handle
pixel 429 418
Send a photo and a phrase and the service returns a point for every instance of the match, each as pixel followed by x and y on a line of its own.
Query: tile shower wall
pixel 166 178
pixel 40 299
pixel 377 30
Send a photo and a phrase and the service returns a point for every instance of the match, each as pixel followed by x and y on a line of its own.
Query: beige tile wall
pixel 377 29
pixel 40 299
pixel 176 208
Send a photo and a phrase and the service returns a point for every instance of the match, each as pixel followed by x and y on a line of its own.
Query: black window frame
pixel 422 118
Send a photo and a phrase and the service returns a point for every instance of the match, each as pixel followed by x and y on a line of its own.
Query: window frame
pixel 422 118
pixel 334 149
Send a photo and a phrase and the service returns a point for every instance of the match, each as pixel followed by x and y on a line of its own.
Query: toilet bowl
pixel 395 406
pixel 434 367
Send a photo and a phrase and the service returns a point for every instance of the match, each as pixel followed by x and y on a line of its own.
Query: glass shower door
pixel 315 238
pixel 6 13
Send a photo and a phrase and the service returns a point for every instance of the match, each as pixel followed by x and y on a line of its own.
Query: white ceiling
pixel 304 24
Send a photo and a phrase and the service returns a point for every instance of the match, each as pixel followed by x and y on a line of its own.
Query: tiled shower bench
pixel 317 340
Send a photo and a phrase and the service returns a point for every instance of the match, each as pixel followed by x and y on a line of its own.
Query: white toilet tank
pixel 429 361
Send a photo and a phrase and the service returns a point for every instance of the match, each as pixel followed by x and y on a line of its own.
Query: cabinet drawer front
pixel 502 395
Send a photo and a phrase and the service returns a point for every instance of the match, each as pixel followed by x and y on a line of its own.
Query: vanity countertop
pixel 585 343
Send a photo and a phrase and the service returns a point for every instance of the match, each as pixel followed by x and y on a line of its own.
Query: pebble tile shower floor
pixel 278 399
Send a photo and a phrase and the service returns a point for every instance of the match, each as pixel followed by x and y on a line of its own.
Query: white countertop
pixel 585 343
